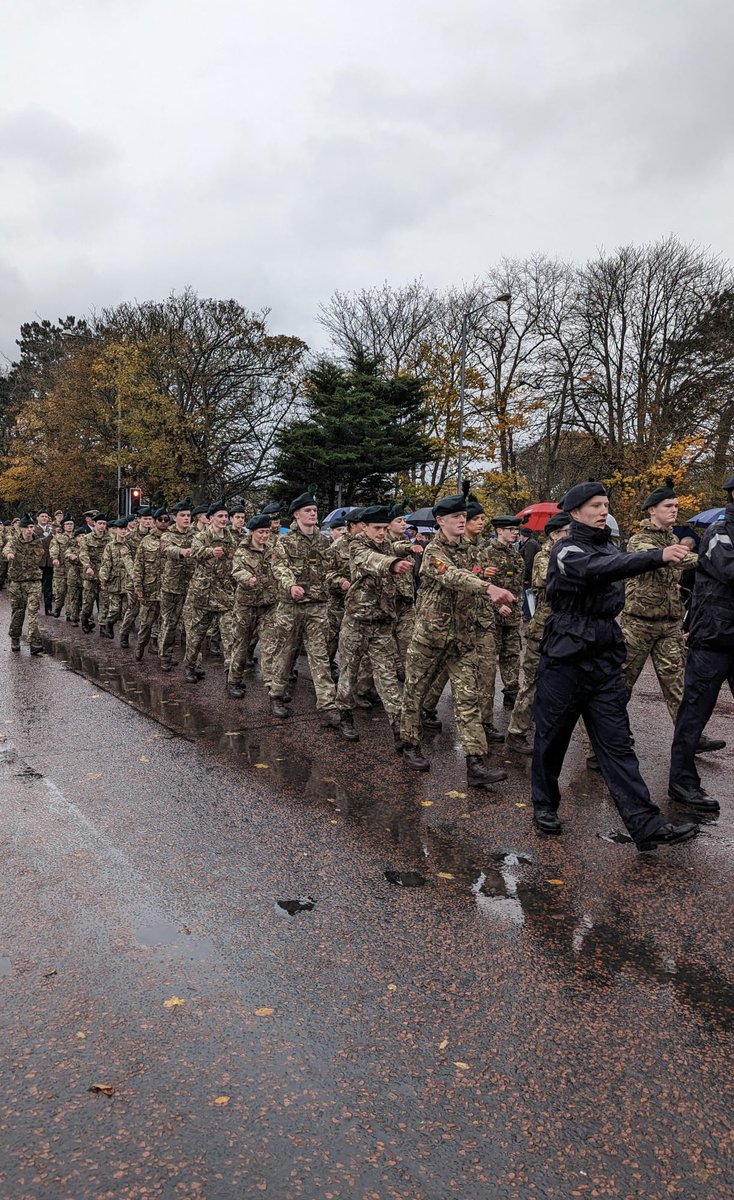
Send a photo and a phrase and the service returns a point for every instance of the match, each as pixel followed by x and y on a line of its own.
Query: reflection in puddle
pixel 5 965
pixel 497 897
pixel 302 904
pixel 408 879
pixel 164 935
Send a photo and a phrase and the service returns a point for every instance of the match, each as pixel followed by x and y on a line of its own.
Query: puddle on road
pixel 165 935
pixel 291 907
pixel 5 966
pixel 406 879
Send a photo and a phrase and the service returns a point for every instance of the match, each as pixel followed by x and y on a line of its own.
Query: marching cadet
pixel 254 604
pixel 91 549
pixel 5 534
pixel 211 588
pixel 24 555
pixel 502 553
pixel 237 524
pixel 200 518
pixel 115 575
pixel 444 636
pixel 710 657
pixel 61 540
pixel 337 530
pixel 135 534
pixel 652 619
pixel 73 567
pixel 338 579
pixel 177 566
pixel 370 614
pixel 404 586
pixel 147 580
pixel 273 509
pixel 521 721
pixel 301 560
pixel 580 675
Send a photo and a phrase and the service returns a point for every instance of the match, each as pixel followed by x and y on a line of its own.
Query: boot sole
pixel 676 841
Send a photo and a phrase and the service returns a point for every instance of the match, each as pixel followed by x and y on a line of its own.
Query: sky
pixel 277 151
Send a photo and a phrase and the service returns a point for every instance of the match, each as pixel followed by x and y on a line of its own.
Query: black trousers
pixel 592 689
pixel 706 670
pixel 47 575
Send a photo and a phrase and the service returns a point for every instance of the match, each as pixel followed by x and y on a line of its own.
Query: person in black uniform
pixel 580 670
pixel 710 659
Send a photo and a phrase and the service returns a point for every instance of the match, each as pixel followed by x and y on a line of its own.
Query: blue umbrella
pixel 339 512
pixel 708 517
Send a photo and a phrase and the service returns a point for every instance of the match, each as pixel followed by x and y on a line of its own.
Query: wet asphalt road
pixel 543 1018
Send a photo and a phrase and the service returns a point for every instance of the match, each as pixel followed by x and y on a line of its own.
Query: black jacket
pixel 586 594
pixel 712 609
pixel 528 549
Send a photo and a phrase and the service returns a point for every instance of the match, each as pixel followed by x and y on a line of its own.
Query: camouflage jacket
pixel 655 596
pixel 116 571
pixel 91 549
pixel 510 574
pixel 486 611
pixel 447 608
pixel 176 571
pixel 238 536
pixel 300 560
pixel 28 558
pixel 372 596
pixel 211 586
pixel 248 562
pixel 339 568
pixel 541 563
pixel 73 562
pixel 60 543
pixel 147 569
pixel 404 584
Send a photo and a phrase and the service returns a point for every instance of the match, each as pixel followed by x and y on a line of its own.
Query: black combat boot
pixel 235 690
pixel 190 675
pixel 36 647
pixel 278 708
pixel 480 775
pixel 696 798
pixel 518 743
pixel 330 718
pixel 706 744
pixel 56 611
pixel 363 701
pixel 166 665
pixel 139 651
pixel 430 720
pixel 493 735
pixel 413 757
pixel 397 740
pixel 125 641
pixel 87 626
pixel 111 630
pixel 546 820
pixel 508 700
pixel 15 645
pixel 346 726
pixel 669 835
pixel 199 672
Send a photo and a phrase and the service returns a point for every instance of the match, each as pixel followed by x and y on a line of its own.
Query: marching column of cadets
pixel 352 604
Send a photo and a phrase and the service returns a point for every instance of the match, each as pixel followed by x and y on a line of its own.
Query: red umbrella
pixel 538 514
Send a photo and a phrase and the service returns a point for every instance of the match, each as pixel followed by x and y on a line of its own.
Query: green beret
pixel 558 521
pixel 145 511
pixel 26 521
pixel 182 505
pixel 580 493
pixel 338 522
pixel 376 514
pixel 396 510
pixel 272 508
pixel 305 500
pixel 506 522
pixel 99 516
pixel 474 509
pixel 354 516
pixel 160 514
pixel 199 510
pixel 120 523
pixel 236 508
pixel 215 507
pixel 664 491
pixel 261 521
pixel 448 505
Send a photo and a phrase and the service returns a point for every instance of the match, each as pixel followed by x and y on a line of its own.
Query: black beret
pixel 199 510
pixel 66 517
pixel 236 508
pixel 354 516
pixel 664 491
pixel 81 531
pixel 507 522
pixel 729 484
pixel 272 508
pixel 449 505
pixel 338 522
pixel 182 505
pixel 120 523
pixel 396 510
pixel 557 521
pixel 305 500
pixel 145 511
pixel 474 509
pixel 26 521
pixel 261 521
pixel 215 507
pixel 376 514
pixel 580 493
pixel 99 516
pixel 160 514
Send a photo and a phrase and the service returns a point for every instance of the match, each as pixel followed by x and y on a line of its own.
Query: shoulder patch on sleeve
pixel 563 553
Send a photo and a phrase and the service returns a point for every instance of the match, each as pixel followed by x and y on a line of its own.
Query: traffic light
pixel 135 498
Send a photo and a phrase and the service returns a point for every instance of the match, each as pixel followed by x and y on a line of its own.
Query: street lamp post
pixel 505 298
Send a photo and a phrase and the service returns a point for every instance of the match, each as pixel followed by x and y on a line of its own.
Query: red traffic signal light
pixel 136 494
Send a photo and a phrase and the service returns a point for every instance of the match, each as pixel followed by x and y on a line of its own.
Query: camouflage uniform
pixel 510 573
pixel 91 549
pixel 368 628
pixel 73 568
pixel 338 571
pixel 147 583
pixel 211 589
pixel 4 538
pixel 302 560
pixel 652 618
pixel 60 543
pixel 521 721
pixel 444 636
pixel 254 610
pixel 115 574
pixel 176 572
pixel 404 600
pixel 24 585
pixel 132 540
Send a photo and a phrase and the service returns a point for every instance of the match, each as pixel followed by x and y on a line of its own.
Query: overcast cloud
pixel 274 152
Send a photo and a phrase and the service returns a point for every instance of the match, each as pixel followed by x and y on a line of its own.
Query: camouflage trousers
pixel 59 586
pixel 149 611
pixel 25 597
pixel 227 634
pixel 115 605
pixel 663 642
pixel 198 623
pixel 424 662
pixel 310 622
pixel 403 629
pixel 252 623
pixel 509 650
pixel 73 598
pixel 90 597
pixel 486 667
pixel 336 616
pixel 374 642
pixel 171 608
pixel 131 612
pixel 521 721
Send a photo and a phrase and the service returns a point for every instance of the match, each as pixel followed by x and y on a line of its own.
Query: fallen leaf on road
pixel 106 1089
pixel 262 766
pixel 462 1066
pixel 442 1045
pixel 333 821
pixel 392 987
pixel 94 775
pixel 143 758
pixel 465 816
pixel 457 795
pixel 264 1011
pixel 444 875
pixel 519 804
pixel 80 1034
pixel 221 1099
pixel 426 803
pixel 174 1002
pixel 557 882
pixel 48 974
